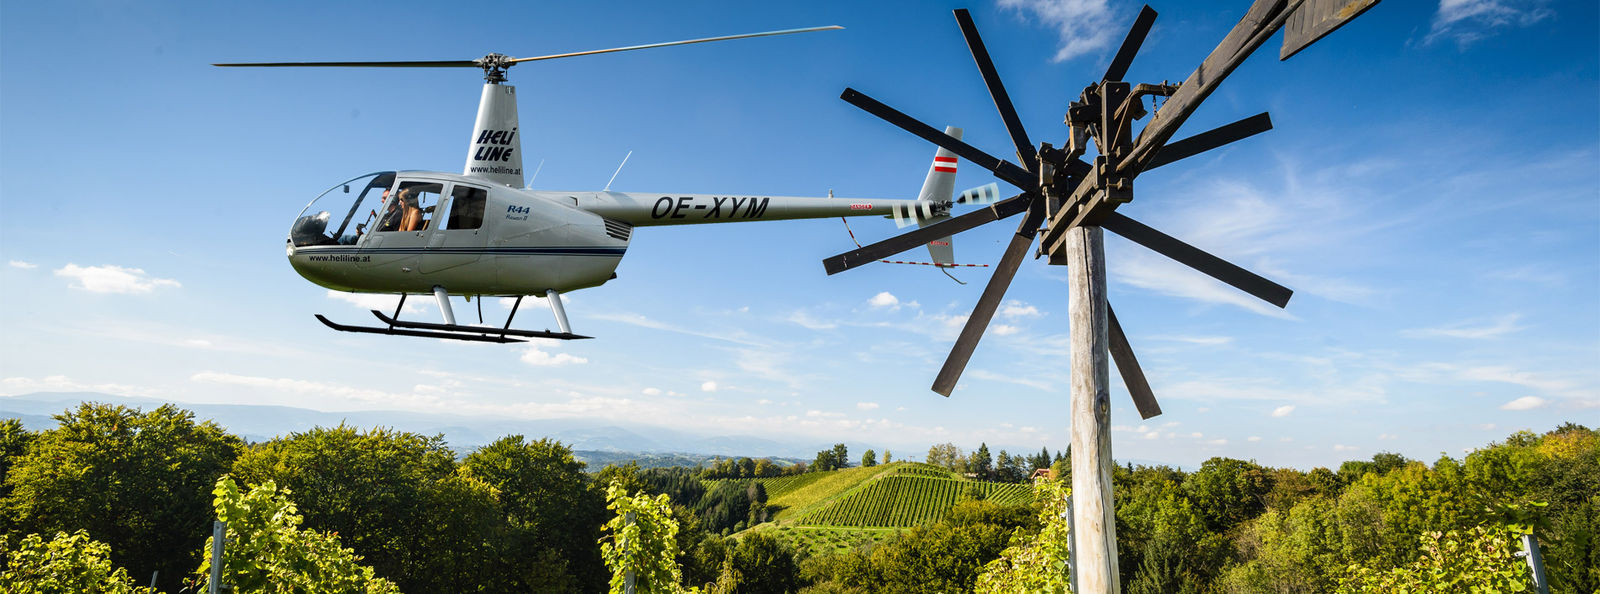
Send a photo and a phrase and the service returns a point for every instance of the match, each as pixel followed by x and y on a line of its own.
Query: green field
pixel 907 500
pixel 868 500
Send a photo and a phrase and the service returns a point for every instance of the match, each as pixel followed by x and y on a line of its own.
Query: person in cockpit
pixel 392 214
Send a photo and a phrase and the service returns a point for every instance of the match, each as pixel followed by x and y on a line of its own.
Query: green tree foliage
pixel 642 545
pixel 266 551
pixel 764 565
pixel 947 455
pixel 870 458
pixel 1035 562
pixel 887 457
pixel 944 556
pixel 1228 491
pixel 67 563
pixel 981 463
pixel 555 510
pixel 14 440
pixel 731 502
pixel 835 458
pixel 370 487
pixel 137 481
pixel 1480 559
pixel 1042 460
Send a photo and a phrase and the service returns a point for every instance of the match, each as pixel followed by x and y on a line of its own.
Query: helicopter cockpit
pixel 357 203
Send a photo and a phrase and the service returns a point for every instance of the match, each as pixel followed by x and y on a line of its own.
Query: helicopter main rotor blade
pixel 672 43
pixel 1005 170
pixel 386 64
pixel 1198 259
pixel 877 251
pixel 1211 139
pixel 1002 100
pixel 1122 353
pixel 1130 44
pixel 978 321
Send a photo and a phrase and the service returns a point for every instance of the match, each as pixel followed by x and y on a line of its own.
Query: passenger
pixel 411 220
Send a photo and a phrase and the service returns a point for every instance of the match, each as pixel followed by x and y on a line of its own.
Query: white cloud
pixel 1525 403
pixel 540 358
pixel 113 279
pixel 383 303
pixel 23 265
pixel 59 383
pixel 1339 447
pixel 866 405
pixel 1468 21
pixel 1283 411
pixel 1471 329
pixel 1253 438
pixel 1017 309
pixel 1004 329
pixel 651 391
pixel 1084 25
pixel 708 387
pixel 1199 340
pixel 884 299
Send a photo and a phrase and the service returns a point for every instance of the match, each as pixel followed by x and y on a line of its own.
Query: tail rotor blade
pixel 984 194
pixel 1130 44
pixel 1198 259
pixel 387 64
pixel 1002 101
pixel 1122 353
pixel 983 312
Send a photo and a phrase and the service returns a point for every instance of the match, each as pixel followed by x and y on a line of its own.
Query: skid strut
pixel 453 331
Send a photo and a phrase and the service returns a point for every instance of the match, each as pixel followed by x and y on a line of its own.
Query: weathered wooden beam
pixel 1094 523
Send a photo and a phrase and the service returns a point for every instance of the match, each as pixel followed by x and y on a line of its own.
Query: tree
pixel 869 459
pixel 136 481
pixel 643 544
pixel 1036 563
pixel 268 553
pixel 549 499
pixel 67 563
pixel 981 463
pixel 1228 491
pixel 371 487
pixel 1481 559
pixel 947 455
pixel 887 458
pixel 14 440
pixel 1040 461
pixel 834 458
pixel 764 564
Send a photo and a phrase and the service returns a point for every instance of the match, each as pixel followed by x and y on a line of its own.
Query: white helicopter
pixel 482 233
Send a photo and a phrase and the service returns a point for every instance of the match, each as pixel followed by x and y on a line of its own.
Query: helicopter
pixel 483 233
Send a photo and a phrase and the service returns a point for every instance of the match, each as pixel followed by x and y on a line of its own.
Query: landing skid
pixel 396 327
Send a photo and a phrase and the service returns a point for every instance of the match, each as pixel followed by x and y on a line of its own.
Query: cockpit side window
pixel 466 207
pixel 411 206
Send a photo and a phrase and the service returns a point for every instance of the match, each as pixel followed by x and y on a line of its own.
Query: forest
pixel 118 499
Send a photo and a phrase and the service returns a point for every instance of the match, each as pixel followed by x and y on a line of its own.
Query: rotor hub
pixel 494 67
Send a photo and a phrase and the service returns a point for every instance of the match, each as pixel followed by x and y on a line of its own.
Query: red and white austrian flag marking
pixel 944 164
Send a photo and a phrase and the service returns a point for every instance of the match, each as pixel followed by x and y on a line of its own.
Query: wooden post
pixel 219 533
pixel 1094 525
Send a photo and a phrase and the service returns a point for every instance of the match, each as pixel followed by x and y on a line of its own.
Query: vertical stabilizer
pixel 940 188
pixel 494 152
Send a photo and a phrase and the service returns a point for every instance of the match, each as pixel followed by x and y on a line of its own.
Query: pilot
pixel 391 215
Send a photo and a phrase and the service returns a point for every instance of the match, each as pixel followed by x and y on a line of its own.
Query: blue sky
pixel 1431 191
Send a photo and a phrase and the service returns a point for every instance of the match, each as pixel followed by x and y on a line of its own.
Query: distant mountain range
pixel 594 442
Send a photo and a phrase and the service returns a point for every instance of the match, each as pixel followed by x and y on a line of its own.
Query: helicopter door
pixel 460 238
pixel 404 225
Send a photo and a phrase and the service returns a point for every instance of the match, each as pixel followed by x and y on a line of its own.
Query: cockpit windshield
pixel 344 213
